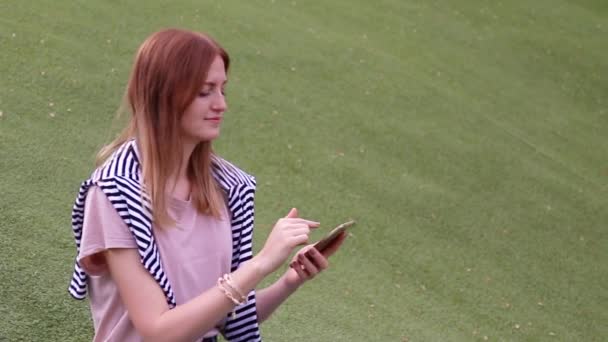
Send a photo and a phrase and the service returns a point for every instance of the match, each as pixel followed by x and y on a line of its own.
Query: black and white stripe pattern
pixel 119 178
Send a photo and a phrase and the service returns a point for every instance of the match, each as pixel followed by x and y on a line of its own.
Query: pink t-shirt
pixel 194 253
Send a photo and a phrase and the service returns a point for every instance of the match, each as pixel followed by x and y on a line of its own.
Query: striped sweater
pixel 120 179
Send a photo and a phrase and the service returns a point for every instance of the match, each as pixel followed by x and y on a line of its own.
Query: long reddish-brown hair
pixel 169 71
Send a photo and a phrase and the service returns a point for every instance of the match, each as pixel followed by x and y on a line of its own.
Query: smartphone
pixel 331 236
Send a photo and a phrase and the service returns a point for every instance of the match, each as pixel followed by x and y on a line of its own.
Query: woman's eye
pixel 206 93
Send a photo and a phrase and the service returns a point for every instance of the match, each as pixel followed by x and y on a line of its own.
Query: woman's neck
pixel 180 189
pixel 179 185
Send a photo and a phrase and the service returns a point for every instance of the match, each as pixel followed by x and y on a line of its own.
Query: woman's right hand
pixel 288 233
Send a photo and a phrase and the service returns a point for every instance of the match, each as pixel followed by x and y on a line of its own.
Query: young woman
pixel 164 227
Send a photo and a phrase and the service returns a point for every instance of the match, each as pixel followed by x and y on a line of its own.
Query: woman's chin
pixel 202 136
pixel 210 136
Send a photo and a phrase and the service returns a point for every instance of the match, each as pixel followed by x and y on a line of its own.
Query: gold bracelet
pixel 227 290
pixel 228 281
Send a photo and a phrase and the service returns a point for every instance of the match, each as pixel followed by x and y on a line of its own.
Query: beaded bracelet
pixel 227 278
pixel 225 284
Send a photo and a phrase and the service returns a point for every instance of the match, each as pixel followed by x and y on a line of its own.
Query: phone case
pixel 329 238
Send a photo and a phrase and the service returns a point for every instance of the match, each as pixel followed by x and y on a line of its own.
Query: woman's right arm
pixel 146 303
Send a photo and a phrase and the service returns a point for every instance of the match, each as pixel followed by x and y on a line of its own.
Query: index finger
pixel 309 223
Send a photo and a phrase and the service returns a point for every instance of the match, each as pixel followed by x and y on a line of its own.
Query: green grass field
pixel 468 138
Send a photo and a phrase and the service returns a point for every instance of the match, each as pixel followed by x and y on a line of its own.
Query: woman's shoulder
pixel 229 174
pixel 122 163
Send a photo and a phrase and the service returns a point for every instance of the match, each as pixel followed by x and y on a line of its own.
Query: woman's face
pixel 203 117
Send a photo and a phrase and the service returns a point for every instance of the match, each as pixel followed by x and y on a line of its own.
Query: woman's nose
pixel 219 102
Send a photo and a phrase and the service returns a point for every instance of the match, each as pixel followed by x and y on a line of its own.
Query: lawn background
pixel 467 137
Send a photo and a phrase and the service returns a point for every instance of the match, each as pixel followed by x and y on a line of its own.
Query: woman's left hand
pixel 309 262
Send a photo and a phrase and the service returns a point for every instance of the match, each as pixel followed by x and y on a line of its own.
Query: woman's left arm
pixel 305 265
